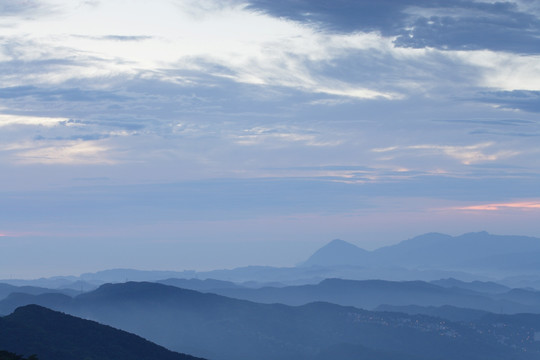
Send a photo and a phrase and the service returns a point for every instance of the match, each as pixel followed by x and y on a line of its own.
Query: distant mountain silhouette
pixel 460 252
pixel 469 252
pixel 222 328
pixel 55 336
pixel 511 260
pixel 337 253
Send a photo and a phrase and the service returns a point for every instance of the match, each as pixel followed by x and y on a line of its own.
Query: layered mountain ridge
pixel 223 328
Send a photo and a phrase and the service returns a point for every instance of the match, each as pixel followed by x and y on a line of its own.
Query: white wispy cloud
pixel 281 135
pixel 7 120
pixel 254 48
pixel 469 154
pixel 63 152
pixel 504 71
pixel 466 154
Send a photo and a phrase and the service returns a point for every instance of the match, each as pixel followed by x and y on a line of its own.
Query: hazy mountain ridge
pixel 369 294
pixel 489 287
pixel 200 285
pixel 6 289
pixel 433 250
pixel 219 328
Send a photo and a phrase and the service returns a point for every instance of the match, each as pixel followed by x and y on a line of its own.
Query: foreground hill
pixel 6 355
pixel 55 336
pixel 222 328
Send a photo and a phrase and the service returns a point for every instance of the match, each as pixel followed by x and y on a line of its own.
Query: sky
pixel 180 134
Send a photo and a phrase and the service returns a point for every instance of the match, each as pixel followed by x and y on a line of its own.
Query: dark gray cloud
pixel 457 24
pixel 85 137
pixel 517 99
pixel 498 28
pixel 386 16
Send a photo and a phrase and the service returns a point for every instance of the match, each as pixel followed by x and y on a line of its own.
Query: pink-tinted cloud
pixel 520 205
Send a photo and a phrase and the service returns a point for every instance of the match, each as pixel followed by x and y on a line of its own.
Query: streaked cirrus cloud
pixel 520 205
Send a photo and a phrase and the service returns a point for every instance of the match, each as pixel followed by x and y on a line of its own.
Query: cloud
pixel 19 7
pixel 250 44
pixel 64 152
pixel 469 154
pixel 277 135
pixel 10 120
pixel 228 41
pixel 501 71
pixel 516 99
pixel 519 205
pixel 232 76
pixel 446 25
pixel 505 123
pixel 343 15
pixel 60 94
pixel 466 25
pixel 466 154
pixel 116 37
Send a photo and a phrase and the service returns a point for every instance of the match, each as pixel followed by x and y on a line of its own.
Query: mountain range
pixel 368 294
pixel 343 303
pixel 222 328
pixel 471 251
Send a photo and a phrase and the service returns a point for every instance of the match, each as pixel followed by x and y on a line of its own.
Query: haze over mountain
pixel 368 294
pixel 489 287
pixel 508 260
pixel 222 328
